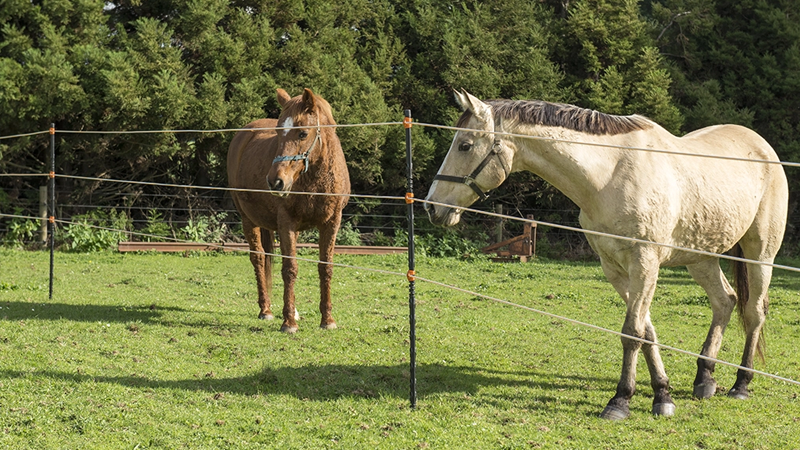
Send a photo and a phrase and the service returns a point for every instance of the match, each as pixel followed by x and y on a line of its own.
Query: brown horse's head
pixel 301 140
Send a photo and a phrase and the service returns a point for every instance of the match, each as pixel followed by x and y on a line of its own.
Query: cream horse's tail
pixel 743 295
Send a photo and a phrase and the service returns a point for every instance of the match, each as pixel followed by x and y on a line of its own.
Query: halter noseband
pixel 301 156
pixel 469 180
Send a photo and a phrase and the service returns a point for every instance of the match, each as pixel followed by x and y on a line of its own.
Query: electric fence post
pixel 412 320
pixel 51 219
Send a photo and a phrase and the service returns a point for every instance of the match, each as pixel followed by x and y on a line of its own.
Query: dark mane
pixel 537 112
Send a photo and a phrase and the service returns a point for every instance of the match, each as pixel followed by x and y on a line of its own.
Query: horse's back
pixel 697 202
pixel 764 182
pixel 730 140
pixel 242 146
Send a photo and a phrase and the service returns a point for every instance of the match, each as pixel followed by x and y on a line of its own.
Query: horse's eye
pixel 303 134
pixel 465 146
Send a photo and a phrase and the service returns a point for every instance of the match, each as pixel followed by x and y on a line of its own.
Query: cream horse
pixel 690 202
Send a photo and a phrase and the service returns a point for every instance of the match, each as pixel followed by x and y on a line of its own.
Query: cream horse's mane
pixel 538 112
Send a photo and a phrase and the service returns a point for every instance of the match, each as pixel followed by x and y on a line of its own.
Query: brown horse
pixel 302 157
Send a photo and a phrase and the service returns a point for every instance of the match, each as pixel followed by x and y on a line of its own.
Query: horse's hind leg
pixel 760 243
pixel 262 264
pixel 327 240
pixel 754 315
pixel 662 401
pixel 722 298
pixel 289 270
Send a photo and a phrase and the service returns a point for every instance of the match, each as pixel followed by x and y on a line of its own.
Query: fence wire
pixel 476 211
pixel 576 322
pixel 398 198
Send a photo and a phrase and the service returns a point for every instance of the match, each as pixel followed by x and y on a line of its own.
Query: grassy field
pixel 140 351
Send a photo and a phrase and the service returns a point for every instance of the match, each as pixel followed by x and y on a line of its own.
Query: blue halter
pixel 301 156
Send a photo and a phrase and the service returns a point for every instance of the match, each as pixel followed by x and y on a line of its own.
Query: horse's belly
pixel 710 229
pixel 266 210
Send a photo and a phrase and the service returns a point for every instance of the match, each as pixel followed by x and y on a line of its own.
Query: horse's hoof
pixel 328 326
pixel 740 394
pixel 664 409
pixel 263 316
pixel 705 390
pixel 614 413
pixel 288 329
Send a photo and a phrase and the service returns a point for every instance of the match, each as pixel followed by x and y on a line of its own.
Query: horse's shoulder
pixel 263 123
pixel 256 137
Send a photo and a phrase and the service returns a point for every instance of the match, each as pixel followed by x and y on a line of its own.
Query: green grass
pixel 165 351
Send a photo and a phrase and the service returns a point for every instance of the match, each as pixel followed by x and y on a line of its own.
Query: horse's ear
pixel 461 99
pixel 283 97
pixel 478 108
pixel 309 101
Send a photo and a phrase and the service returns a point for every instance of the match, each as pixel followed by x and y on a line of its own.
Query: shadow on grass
pixel 83 313
pixel 324 383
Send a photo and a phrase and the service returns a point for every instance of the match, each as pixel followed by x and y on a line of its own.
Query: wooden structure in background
pixel 519 248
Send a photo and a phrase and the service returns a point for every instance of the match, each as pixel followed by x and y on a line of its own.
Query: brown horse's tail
pixel 743 296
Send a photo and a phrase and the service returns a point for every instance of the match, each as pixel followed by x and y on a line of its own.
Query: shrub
pixel 205 228
pixel 155 229
pixel 20 231
pixel 348 235
pixel 95 231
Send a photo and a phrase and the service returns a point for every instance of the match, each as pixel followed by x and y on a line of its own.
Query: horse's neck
pixel 327 164
pixel 578 171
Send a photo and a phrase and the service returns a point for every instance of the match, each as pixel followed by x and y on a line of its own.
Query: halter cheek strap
pixel 469 180
pixel 302 156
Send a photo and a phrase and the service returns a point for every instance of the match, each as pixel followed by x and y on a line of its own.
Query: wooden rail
pixel 235 246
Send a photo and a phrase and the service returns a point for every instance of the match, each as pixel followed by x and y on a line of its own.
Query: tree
pixel 737 62
pixel 611 61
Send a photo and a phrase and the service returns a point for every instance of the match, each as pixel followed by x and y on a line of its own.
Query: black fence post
pixel 51 219
pixel 412 319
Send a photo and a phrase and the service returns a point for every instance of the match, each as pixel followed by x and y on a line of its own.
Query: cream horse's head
pixel 477 162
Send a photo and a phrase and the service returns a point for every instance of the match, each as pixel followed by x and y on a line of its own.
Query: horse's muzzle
pixel 443 216
pixel 278 185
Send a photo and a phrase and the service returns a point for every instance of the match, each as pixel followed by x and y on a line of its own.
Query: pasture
pixel 166 351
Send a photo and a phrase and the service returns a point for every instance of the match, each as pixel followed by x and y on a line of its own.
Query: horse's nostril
pixel 278 185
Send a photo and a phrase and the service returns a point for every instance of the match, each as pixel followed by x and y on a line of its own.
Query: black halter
pixel 469 180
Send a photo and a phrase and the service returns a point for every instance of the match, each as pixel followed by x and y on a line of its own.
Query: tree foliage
pixel 214 64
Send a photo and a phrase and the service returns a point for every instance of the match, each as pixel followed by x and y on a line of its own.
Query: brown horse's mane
pixel 295 108
pixel 538 112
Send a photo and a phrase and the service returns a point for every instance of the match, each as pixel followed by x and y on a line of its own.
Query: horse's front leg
pixel 641 283
pixel 662 401
pixel 289 274
pixel 327 241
